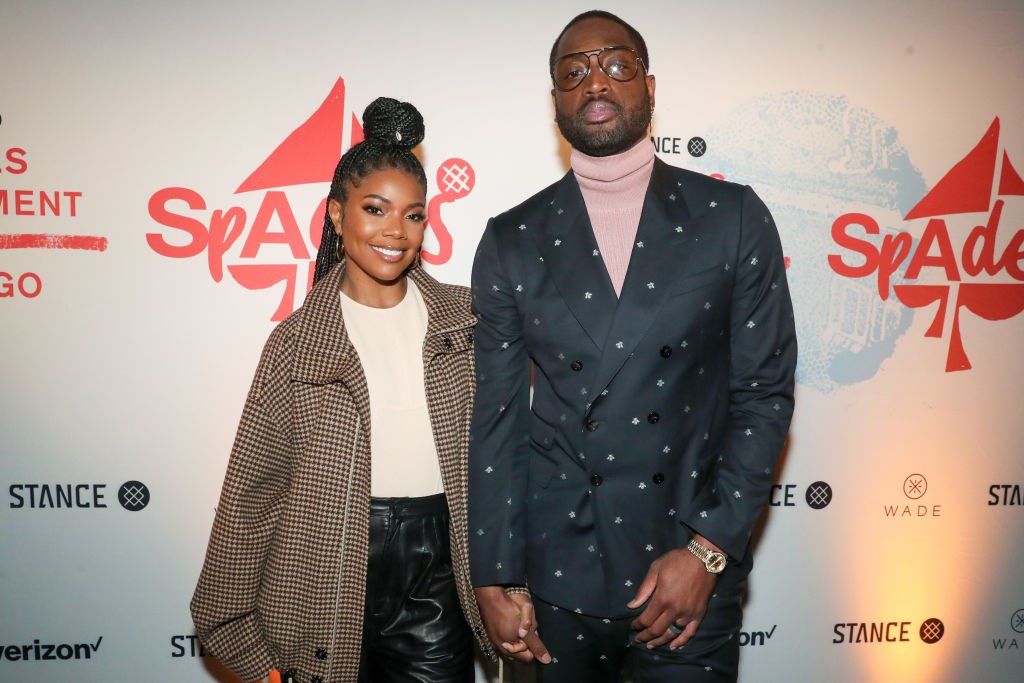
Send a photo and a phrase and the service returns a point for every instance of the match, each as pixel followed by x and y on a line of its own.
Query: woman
pixel 329 558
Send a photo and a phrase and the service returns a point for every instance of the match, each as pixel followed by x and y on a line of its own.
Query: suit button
pixel 576 365
pixel 321 653
pixel 447 341
pixel 591 425
pixel 469 337
pixel 653 418
pixel 658 478
pixel 666 351
pixel 316 679
pixel 596 479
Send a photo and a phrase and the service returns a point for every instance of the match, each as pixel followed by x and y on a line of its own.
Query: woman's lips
pixel 389 255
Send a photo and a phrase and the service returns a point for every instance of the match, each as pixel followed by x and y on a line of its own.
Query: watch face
pixel 716 563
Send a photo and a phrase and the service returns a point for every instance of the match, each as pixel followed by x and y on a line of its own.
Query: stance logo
pixel 1005 494
pixel 983 182
pixel 932 630
pixel 187 646
pixel 819 495
pixel 851 633
pixel 696 147
pixel 915 486
pixel 133 496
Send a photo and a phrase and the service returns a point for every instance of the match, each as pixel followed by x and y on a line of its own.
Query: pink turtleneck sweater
pixel 613 189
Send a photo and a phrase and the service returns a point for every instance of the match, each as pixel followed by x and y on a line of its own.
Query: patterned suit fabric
pixel 283 583
pixel 654 416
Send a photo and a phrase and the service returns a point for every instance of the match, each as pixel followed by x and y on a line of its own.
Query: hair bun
pixel 392 123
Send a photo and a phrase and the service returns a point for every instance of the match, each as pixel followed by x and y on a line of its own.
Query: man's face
pixel 602 116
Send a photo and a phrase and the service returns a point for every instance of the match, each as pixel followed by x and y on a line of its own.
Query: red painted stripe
pixel 84 242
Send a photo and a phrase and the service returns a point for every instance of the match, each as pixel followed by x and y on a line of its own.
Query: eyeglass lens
pixel 618 63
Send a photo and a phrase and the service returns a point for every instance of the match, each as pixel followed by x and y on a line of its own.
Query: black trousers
pixel 413 630
pixel 595 650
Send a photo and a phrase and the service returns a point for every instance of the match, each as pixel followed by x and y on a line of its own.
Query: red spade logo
pixel 307 155
pixel 967 188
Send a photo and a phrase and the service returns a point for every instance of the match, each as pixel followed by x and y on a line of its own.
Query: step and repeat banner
pixel 162 177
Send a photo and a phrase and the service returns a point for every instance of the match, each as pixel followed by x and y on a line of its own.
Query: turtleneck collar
pixel 599 170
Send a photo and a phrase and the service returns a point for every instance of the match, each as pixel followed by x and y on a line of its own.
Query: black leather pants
pixel 413 628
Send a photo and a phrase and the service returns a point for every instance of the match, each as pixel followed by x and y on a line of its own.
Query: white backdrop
pixel 124 360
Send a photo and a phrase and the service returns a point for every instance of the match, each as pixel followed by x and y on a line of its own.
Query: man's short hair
pixel 641 45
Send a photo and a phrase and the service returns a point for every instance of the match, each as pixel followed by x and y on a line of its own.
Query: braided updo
pixel 391 130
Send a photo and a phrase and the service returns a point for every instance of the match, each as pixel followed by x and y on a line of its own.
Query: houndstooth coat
pixel 284 579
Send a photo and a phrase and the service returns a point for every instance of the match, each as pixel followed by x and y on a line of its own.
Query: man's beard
pixel 630 127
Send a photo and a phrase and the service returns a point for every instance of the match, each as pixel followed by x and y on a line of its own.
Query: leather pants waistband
pixel 409 506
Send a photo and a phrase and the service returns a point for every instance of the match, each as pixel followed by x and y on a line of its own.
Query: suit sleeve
pixel 224 606
pixel 763 350
pixel 498 449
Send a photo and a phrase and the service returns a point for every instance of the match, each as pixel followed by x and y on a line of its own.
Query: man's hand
pixel 679 587
pixel 510 624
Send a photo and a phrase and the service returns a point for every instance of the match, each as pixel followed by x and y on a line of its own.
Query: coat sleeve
pixel 763 351
pixel 498 449
pixel 224 606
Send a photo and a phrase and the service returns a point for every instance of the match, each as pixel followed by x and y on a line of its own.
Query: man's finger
pixel 657 629
pixel 646 619
pixel 646 589
pixel 537 648
pixel 686 634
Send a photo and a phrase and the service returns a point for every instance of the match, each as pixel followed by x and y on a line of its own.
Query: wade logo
pixel 983 274
pixel 274 250
pixel 915 486
pixel 1014 639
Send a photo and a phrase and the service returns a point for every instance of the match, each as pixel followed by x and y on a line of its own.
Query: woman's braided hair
pixel 391 130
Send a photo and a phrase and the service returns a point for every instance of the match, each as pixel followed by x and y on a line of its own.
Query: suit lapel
pixel 660 255
pixel 569 250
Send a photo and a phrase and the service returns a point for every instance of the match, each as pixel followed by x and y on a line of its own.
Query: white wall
pixel 129 365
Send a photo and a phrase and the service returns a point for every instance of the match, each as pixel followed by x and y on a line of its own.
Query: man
pixel 653 303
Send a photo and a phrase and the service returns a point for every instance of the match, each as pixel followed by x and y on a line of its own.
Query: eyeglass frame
pixel 596 53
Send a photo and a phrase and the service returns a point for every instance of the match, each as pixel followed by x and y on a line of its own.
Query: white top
pixel 389 341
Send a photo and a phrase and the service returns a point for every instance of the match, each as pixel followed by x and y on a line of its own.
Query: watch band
pixel 713 560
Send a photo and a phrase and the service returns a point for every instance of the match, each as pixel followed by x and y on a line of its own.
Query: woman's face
pixel 381 225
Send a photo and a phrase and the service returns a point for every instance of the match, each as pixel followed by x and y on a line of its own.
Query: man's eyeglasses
pixel 617 62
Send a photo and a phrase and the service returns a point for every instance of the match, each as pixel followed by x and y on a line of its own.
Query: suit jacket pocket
pixel 698 280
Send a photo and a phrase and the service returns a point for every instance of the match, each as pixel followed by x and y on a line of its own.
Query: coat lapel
pixel 660 256
pixel 571 257
pixel 449 319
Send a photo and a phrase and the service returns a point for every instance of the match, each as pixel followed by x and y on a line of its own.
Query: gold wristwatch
pixel 713 560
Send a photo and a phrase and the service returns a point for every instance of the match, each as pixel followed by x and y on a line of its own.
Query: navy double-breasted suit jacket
pixel 653 415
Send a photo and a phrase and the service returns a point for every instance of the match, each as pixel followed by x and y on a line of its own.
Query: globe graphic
pixel 812 158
